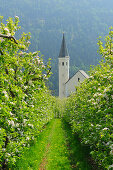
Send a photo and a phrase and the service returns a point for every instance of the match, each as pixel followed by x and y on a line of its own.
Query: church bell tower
pixel 63 68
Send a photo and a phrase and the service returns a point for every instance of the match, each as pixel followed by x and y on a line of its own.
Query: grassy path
pixel 55 149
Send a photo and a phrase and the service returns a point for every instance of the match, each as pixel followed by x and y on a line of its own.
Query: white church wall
pixel 71 84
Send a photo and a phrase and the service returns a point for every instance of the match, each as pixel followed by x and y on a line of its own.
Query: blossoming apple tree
pixel 25 102
pixel 90 109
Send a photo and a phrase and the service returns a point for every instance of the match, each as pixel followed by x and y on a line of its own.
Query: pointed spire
pixel 63 50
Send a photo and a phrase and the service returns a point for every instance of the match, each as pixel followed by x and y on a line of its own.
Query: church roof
pixel 63 50
pixel 82 72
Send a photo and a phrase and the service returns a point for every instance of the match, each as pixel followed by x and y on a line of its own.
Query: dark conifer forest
pixel 82 21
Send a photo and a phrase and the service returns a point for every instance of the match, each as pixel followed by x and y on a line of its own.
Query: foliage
pixel 81 20
pixel 58 107
pixel 90 109
pixel 25 103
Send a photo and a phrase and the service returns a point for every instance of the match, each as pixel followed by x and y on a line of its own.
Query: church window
pixel 78 79
pixel 62 63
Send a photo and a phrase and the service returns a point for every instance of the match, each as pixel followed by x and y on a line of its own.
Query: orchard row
pixel 25 103
pixel 90 109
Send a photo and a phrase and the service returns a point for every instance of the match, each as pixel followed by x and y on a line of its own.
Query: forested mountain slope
pixel 83 21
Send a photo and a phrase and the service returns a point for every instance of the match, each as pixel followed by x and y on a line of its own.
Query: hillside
pixel 27 108
pixel 83 21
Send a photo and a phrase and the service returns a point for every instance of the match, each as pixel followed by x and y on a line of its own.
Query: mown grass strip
pixel 32 158
pixel 50 151
pixel 58 157
pixel 56 148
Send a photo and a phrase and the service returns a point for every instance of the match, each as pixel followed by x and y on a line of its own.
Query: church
pixel 67 85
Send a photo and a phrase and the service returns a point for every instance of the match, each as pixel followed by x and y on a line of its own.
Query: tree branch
pixel 34 79
pixel 9 37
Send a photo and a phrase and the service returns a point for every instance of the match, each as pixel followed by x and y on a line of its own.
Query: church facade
pixel 67 85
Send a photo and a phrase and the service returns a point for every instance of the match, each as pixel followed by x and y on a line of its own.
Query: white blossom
pixel 43 66
pixel 11 69
pixel 111 152
pixel 111 166
pixel 95 95
pixel 4 92
pixel 11 122
pixel 12 103
pixel 99 94
pixel 4 149
pixel 98 125
pixel 105 90
pixel 1 39
pixel 35 53
pixel 7 154
pixel 11 113
pixel 25 87
pixel 30 125
pixel 32 137
pixel 27 138
pixel 17 17
pixel 24 120
pixel 7 160
pixel 6 29
pixel 105 128
pixel 111 146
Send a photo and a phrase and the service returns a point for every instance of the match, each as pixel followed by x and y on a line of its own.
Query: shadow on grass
pixel 78 154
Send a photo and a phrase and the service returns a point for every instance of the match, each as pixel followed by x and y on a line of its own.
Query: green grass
pixel 56 148
pixel 79 154
pixel 58 157
pixel 33 157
